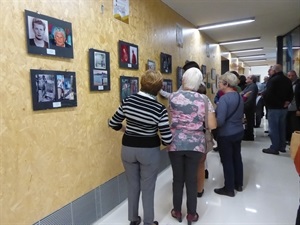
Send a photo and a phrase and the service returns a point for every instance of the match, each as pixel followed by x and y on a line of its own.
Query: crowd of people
pixel 182 130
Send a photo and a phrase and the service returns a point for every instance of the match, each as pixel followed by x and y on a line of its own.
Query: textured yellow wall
pixel 49 158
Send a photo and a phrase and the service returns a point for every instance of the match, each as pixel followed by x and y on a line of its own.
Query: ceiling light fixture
pixel 256 60
pixel 251 56
pixel 227 23
pixel 247 50
pixel 239 41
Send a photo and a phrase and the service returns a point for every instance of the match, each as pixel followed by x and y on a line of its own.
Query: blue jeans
pixel 277 123
pixel 230 153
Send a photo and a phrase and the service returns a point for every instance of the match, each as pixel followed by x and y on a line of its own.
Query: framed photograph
pixel 179 74
pixel 48 36
pixel 128 56
pixel 128 86
pixel 213 74
pixel 203 70
pixel 53 89
pixel 167 85
pixel 151 65
pixel 165 63
pixel 179 36
pixel 99 70
pixel 214 88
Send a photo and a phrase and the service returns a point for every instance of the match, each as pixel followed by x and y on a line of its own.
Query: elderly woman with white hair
pixel 229 112
pixel 187 111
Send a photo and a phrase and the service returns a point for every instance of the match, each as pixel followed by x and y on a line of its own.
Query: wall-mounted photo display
pixel 99 70
pixel 167 85
pixel 151 65
pixel 179 74
pixel 213 74
pixel 128 55
pixel 203 70
pixel 165 63
pixel 128 86
pixel 48 36
pixel 53 89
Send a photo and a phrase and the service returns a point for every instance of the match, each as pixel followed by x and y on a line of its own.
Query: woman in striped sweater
pixel 141 144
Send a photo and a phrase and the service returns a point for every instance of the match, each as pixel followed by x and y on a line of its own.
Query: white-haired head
pixel 191 79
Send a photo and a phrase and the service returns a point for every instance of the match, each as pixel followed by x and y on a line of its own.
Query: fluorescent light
pixel 227 23
pixel 247 50
pixel 256 60
pixel 294 47
pixel 239 41
pixel 251 56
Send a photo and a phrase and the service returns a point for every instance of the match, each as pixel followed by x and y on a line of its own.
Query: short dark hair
pixel 190 64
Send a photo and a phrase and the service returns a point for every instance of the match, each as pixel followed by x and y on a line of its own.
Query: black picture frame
pixel 165 63
pixel 99 70
pixel 167 85
pixel 213 74
pixel 128 55
pixel 203 70
pixel 53 89
pixel 50 32
pixel 128 86
pixel 179 74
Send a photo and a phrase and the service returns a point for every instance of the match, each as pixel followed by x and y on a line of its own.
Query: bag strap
pixel 231 114
pixel 206 113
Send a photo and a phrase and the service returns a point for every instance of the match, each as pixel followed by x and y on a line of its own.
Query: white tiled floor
pixel 270 196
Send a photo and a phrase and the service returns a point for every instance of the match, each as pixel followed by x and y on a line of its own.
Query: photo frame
pixel 128 55
pixel 179 36
pixel 48 36
pixel 203 70
pixel 179 74
pixel 151 65
pixel 165 63
pixel 213 74
pixel 99 70
pixel 167 85
pixel 128 86
pixel 53 89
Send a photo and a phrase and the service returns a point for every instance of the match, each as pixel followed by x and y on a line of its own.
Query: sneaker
pixel 223 191
pixel 270 151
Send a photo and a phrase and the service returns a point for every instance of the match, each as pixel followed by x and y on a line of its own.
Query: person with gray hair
pixel 187 112
pixel 250 106
pixel 229 112
pixel 278 95
pixel 60 37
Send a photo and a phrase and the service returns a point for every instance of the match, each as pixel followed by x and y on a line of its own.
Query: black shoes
pixel 282 150
pixel 206 174
pixel 136 222
pixel 192 218
pixel 245 138
pixel 270 151
pixel 223 191
pixel 199 195
pixel 155 223
pixel 239 188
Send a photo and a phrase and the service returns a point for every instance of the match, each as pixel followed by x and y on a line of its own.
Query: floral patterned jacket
pixel 187 111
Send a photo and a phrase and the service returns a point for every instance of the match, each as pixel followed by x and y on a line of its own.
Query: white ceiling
pixel 272 18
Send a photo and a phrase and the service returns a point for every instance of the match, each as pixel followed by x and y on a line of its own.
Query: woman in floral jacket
pixel 187 110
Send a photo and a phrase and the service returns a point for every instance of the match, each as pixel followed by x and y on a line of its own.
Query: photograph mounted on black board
pixel 128 86
pixel 179 76
pixel 128 55
pixel 48 36
pixel 53 89
pixel 165 63
pixel 167 85
pixel 99 70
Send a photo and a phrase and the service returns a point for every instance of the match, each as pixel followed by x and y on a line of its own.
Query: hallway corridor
pixel 270 196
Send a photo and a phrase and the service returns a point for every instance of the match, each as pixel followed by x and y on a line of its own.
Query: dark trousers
pixel 298 217
pixel 230 153
pixel 292 124
pixel 250 118
pixel 184 166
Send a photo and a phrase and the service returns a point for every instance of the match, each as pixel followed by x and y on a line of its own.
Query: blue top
pixel 227 104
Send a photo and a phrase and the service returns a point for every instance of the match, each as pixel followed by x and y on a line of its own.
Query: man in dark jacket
pixel 278 95
pixel 249 107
